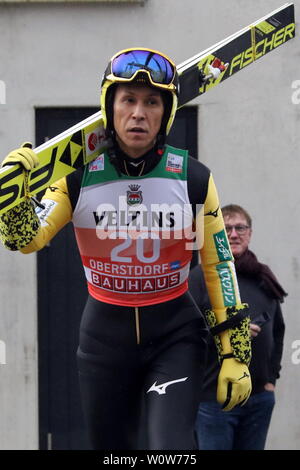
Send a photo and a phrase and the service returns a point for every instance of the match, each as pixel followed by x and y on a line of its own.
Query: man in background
pixel 245 427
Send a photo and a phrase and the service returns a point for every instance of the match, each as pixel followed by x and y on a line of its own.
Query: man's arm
pixel 26 228
pixel 229 318
pixel 278 334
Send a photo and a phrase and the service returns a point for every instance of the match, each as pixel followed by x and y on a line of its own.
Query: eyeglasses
pixel 240 229
pixel 160 69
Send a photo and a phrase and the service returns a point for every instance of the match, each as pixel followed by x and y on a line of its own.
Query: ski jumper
pixel 142 346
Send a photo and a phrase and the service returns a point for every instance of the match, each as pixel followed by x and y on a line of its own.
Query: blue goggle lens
pixel 128 63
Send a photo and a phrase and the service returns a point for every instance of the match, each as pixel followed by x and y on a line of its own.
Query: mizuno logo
pixel 213 213
pixel 161 389
pixel 243 376
pixel 53 189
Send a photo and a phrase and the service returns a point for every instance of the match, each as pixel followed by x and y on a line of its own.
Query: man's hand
pixel 234 384
pixel 24 155
pixel 269 387
pixel 254 330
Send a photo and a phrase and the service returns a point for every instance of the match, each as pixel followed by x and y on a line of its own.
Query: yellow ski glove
pixel 20 224
pixel 24 155
pixel 234 382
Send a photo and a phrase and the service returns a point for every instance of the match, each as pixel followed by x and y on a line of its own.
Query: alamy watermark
pixel 296 94
pixel 159 221
pixel 2 352
pixel 2 92
pixel 296 354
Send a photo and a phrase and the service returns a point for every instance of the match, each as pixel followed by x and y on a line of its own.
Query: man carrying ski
pixel 142 338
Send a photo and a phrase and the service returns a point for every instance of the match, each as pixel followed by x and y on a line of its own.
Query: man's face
pixel 138 112
pixel 240 234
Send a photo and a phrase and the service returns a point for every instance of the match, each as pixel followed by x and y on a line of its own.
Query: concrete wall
pixel 54 55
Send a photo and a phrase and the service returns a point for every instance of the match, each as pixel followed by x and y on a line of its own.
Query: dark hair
pixel 231 209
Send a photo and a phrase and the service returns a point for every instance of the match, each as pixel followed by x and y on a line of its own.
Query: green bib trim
pixel 173 165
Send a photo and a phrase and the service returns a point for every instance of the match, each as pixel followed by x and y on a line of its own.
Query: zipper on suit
pixel 137 324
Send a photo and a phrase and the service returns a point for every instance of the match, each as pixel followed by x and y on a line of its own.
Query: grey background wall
pixel 54 55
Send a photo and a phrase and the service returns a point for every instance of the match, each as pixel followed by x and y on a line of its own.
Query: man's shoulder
pixel 74 183
pixel 198 167
pixel 198 178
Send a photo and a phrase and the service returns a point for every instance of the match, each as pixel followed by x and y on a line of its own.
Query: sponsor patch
pixel 97 164
pixel 227 284
pixel 44 213
pixel 222 246
pixel 174 163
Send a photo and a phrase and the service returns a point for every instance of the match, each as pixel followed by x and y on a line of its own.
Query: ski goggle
pixel 161 71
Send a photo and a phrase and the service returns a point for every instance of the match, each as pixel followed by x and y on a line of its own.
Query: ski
pixel 85 141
